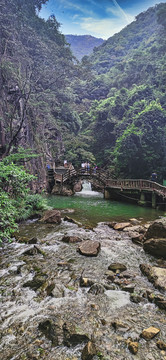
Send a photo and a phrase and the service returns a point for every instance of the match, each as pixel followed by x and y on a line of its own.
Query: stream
pixel 45 311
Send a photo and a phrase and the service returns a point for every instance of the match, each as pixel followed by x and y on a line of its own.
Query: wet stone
pixel 52 329
pixel 71 239
pixel 33 241
pixel 134 221
pixel 85 282
pixel 89 351
pixel 67 218
pixel 136 238
pixel 32 251
pixel 156 247
pixel 150 333
pixel 89 248
pixel 155 274
pixel 51 217
pixel 136 298
pixel 121 226
pixel 57 292
pixel 72 335
pixel 119 325
pixel 129 288
pixel 49 289
pixel 36 282
pixel 110 275
pixel 117 266
pixel 96 289
pixel 161 345
pixel 133 347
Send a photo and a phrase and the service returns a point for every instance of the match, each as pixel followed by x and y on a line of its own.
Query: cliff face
pixel 35 72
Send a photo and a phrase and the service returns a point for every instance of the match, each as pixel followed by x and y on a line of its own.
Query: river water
pixel 43 303
pixel 91 207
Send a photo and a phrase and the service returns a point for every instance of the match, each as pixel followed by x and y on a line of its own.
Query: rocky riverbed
pixel 71 293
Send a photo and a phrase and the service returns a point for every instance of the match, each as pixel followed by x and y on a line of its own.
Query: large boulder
pixel 156 247
pixel 89 248
pixel 157 275
pixel 62 190
pixel 157 229
pixel 52 217
pixel 78 186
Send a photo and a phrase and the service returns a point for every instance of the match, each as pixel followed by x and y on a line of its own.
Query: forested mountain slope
pixel 82 45
pixel 36 68
pixel 140 32
pixel 127 120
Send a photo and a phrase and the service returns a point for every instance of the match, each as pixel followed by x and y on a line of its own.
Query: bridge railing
pixel 92 172
pixel 62 177
pixel 137 184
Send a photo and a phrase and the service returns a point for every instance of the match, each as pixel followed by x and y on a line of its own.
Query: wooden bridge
pixel 144 192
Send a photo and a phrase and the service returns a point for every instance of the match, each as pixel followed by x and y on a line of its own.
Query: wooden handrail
pixel 139 184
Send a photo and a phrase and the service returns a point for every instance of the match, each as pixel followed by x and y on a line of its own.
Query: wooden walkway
pixel 113 187
pixel 138 184
pixel 122 184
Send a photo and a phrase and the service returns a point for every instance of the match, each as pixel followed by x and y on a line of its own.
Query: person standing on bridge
pixel 95 169
pixel 88 167
pixel 154 176
pixel 82 167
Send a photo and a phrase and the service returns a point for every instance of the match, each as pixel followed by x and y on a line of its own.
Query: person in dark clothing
pixel 153 176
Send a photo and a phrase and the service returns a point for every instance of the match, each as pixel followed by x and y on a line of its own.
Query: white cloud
pixel 117 11
pixel 75 16
pixel 102 28
pixel 121 11
pixel 71 5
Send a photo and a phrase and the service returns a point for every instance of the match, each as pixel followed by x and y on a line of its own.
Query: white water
pixel 87 190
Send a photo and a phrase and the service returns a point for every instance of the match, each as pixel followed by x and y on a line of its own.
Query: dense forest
pixel 108 109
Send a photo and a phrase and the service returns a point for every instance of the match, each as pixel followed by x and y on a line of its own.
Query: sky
pixel 99 18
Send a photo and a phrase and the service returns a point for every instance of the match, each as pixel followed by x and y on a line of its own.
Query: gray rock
pixel 52 329
pixel 121 226
pixel 71 239
pixel 157 229
pixel 89 351
pixel 73 336
pixel 117 266
pixel 89 248
pixel 36 282
pixel 51 217
pixel 96 289
pixel 67 218
pixel 155 274
pixel 156 247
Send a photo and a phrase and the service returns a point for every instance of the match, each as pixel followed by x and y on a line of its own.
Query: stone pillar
pixel 142 201
pixel 153 200
pixel 106 194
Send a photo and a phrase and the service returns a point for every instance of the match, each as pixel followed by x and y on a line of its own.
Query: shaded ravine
pixel 56 298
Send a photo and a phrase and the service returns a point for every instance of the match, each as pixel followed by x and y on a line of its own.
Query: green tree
pixel 161 15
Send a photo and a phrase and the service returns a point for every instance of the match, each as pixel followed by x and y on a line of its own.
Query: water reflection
pixel 90 207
